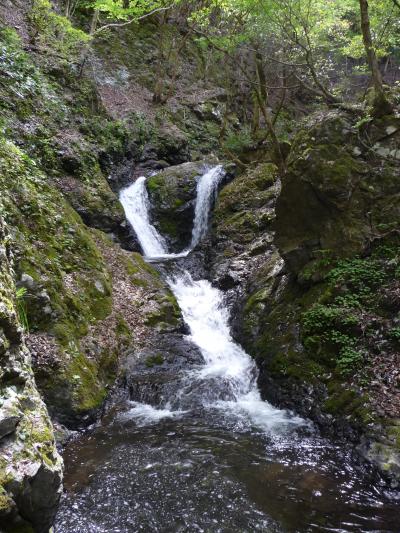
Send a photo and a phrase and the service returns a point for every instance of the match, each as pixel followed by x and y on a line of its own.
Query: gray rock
pixel 27 281
pixel 32 486
pixel 8 423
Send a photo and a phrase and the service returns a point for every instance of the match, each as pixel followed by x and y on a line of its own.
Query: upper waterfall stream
pixel 212 457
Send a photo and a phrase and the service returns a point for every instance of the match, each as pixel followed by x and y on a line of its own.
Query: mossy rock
pixel 172 195
pixel 30 467
pixel 335 197
pixel 242 211
pixel 68 286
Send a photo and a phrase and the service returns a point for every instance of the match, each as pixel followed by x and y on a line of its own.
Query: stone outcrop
pixel 30 467
pixel 172 194
pixel 341 191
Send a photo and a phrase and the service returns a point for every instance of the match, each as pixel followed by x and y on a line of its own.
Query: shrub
pixel 238 142
pixel 55 33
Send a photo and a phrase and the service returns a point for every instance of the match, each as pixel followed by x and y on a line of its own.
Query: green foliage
pixel 121 10
pixel 111 135
pixel 239 142
pixel 318 266
pixel 364 120
pixel 55 33
pixel 361 276
pixel 395 334
pixel 337 328
pixel 328 329
pixel 118 9
pixel 349 360
pixel 19 78
pixel 21 308
pixel 142 127
pixel 317 38
pixel 321 317
pixel 153 360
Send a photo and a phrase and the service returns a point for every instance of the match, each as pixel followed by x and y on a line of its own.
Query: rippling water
pixel 142 471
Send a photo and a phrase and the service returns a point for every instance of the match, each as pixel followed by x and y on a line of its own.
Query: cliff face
pixel 320 305
pixel 30 467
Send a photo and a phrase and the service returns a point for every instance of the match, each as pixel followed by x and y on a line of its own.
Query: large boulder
pixel 242 226
pixel 341 191
pixel 172 194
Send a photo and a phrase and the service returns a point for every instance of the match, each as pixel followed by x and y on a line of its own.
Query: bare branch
pixel 121 24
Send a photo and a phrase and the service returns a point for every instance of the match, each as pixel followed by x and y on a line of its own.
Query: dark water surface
pixel 201 472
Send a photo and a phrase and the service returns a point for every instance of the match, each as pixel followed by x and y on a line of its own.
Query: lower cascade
pixel 233 372
pixel 212 455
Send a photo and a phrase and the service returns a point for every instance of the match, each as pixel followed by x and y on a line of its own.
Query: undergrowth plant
pixel 22 309
pixel 333 329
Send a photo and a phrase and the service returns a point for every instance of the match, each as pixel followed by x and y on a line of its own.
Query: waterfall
pixel 135 201
pixel 229 367
pixel 207 189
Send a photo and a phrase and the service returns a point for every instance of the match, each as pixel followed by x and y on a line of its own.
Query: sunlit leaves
pixel 127 9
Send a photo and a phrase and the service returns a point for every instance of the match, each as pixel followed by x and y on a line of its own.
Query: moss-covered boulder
pixel 30 467
pixel 242 226
pixel 341 190
pixel 172 194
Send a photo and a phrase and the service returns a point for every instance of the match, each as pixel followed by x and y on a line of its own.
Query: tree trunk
pixel 94 21
pixel 380 103
pixel 255 122
pixel 86 49
pixel 261 78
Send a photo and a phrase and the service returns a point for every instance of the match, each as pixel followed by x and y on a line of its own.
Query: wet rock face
pixel 154 374
pixel 172 194
pixel 242 229
pixel 30 467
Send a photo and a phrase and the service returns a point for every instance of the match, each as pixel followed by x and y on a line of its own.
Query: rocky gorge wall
pixel 30 466
pixel 313 262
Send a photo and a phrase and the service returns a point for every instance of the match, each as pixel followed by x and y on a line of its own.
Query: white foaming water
pixel 145 414
pixel 207 317
pixel 135 201
pixel 203 309
pixel 136 204
pixel 207 189
pixel 204 312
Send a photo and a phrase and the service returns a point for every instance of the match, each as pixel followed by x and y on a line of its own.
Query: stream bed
pixel 201 472
pixel 209 454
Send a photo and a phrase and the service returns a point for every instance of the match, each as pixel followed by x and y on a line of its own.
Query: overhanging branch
pixel 122 24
